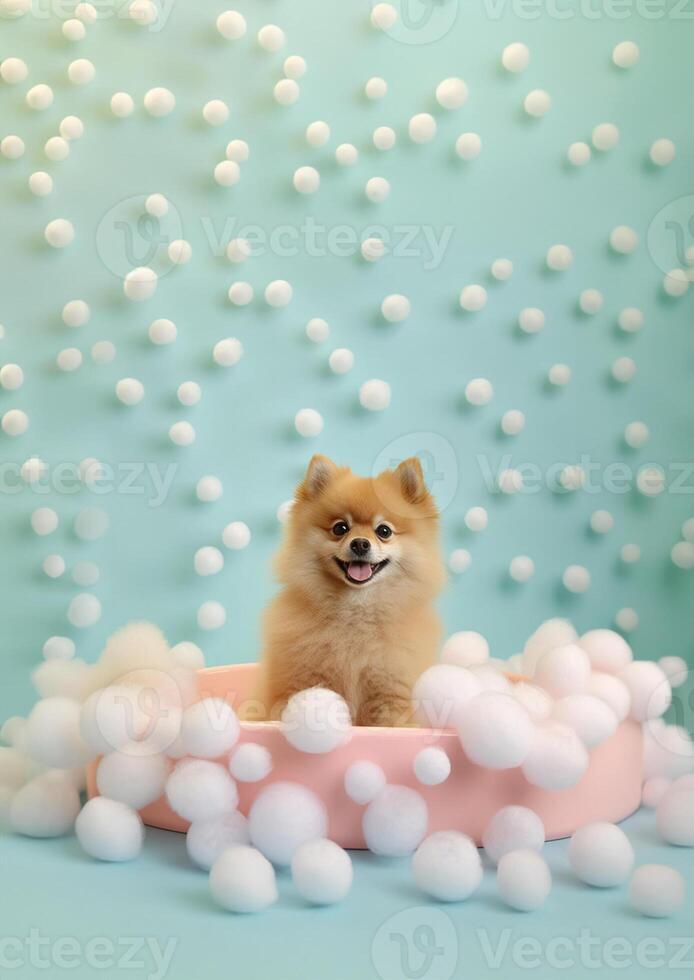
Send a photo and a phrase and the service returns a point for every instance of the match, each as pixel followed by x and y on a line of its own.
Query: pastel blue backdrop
pixel 517 199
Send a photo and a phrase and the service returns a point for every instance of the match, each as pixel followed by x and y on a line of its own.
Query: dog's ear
pixel 318 475
pixel 411 477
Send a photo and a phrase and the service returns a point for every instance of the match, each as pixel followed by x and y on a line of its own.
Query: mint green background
pixel 517 199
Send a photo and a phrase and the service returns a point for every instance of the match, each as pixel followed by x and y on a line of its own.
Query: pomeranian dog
pixel 360 568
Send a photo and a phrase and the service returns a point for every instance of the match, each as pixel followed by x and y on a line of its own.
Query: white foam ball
pixel 512 828
pixel 317 133
pixel 384 138
pixel 442 694
pixel 208 561
pixel 372 249
pixel 559 258
pixel 317 330
pixel 179 251
pixel 208 839
pixel 662 152
pixel 90 523
pixel 12 147
pixel 459 560
pixel 374 395
pixel 278 293
pixel 109 830
pixel 211 615
pixel 656 890
pixel 495 730
pixel 271 37
pixel 464 648
pixel 432 766
pixel 607 650
pixel 512 422
pixel 130 391
pixel 73 29
pixel 557 758
pixel 59 232
pixel 515 57
pixel 682 554
pixel 189 655
pixel 523 880
pixel 676 282
pixel 189 393
pixel 306 180
pixel 284 816
pixel 286 91
pixel 537 103
pixel 46 806
pixel 294 66
pixel 395 308
pixel 227 173
pixel 601 855
pixel 630 320
pixel 85 574
pixel 59 648
pixel 308 422
pixel 601 522
pixel 563 670
pixel 208 489
pixel 605 137
pixel 625 54
pixel 654 789
pixel 364 780
pixel 52 734
pixel 383 16
pixel 376 88
pixel 451 93
pixel 316 720
pixel 84 610
pixel 531 319
pixel 501 269
pixel 668 750
pixel 576 579
pixel 238 250
pixel 44 520
pixel 395 822
pixel 649 688
pixel 76 313
pixel 422 127
pixel 240 293
pixel 143 12
pixel 13 70
pixel 591 301
pixel 236 535
pixel 227 352
pixel 140 283
pixel 322 872
pixel 39 97
pixel 675 669
pixel 534 699
pixel 159 101
pixel 15 422
pixel 623 239
pixel 122 104
pixel 81 71
pixel 40 183
pixel 623 369
pixel 215 112
pixel 491 676
pixel 590 717
pixel 447 866
pixel 162 331
pixel 209 728
pixel 675 816
pixel 237 151
pixel 54 566
pixel 15 767
pixel 243 880
pixel 341 360
pixel 56 148
pixel 578 154
pixel 231 25
pixel 131 778
pixel 69 359
pixel 473 297
pixel 377 189
pixel 479 391
pixel 521 568
pixel 198 789
pixel 346 155
pixel 250 763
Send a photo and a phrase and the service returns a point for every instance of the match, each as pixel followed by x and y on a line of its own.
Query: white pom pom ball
pixel 59 648
pixel 563 670
pixel 576 578
pixel 601 855
pixel 465 648
pixel 284 816
pixel 209 728
pixel 208 561
pixel 316 720
pixel 250 763
pixel 512 422
pixel 317 133
pixel 649 688
pixel 162 332
pixel 676 282
pixel 236 535
pixel 512 828
pixel 442 693
pixel 130 391
pixel 59 232
pixel 227 173
pixel 377 189
pixel 189 655
pixel 625 54
pixel 231 25
pixel 208 488
pixel 473 298
pixel 432 766
pixel 383 16
pixel 395 308
pixel 459 560
pixel 84 610
pixel 131 778
pixel 140 283
pixel 376 88
pixel 495 730
pixel 479 391
pixel 451 93
pixel 675 815
pixel 271 37
pixel 374 395
pixel 515 57
pixel 317 330
pixel 122 104
pixel 623 239
pixel 47 806
pixel 13 70
pixel 44 520
pixel 447 866
pixel 605 137
pixel 537 103
pixel 654 789
pixel 422 128
pixel 206 840
pixel 476 519
pixel 536 702
pixel 322 872
pixel 39 97
pixel 501 269
pixel 559 258
pixel 662 152
pixel 395 822
pixel 52 734
pixel 656 890
pixel 306 180
pixel 523 880
pixel 159 101
pixel 198 789
pixel 372 249
pixel 238 151
pixel 341 360
pixel 521 568
pixel 15 422
pixel 557 758
pixel 364 781
pixel 227 352
pixel 531 319
pixel 278 293
pixel 607 650
pixel 215 112
pixel 590 717
pixel 12 147
pixel 294 66
pixel 40 183
pixel 240 293
pixel 189 393
pixel 346 154
pixel 109 830
pixel 242 880
pixel 286 91
pixel 308 422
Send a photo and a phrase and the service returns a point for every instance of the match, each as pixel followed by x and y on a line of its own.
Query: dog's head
pixel 370 535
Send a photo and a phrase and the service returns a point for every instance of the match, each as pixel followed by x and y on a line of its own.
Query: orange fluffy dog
pixel 360 566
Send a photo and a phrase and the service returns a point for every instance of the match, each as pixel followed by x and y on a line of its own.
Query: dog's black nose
pixel 360 547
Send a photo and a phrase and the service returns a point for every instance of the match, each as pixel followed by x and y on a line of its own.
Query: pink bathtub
pixel 610 789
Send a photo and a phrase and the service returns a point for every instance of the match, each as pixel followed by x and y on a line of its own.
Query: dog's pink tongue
pixel 360 571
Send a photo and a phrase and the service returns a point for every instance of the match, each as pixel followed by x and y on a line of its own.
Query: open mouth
pixel 360 572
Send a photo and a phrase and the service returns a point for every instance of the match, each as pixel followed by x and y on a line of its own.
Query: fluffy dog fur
pixel 365 632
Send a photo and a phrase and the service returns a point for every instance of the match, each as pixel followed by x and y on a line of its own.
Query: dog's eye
pixel 384 532
pixel 340 528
